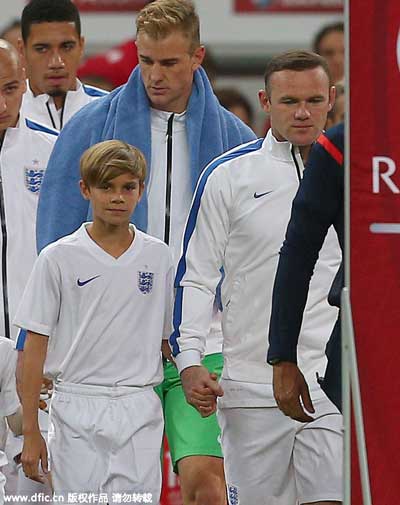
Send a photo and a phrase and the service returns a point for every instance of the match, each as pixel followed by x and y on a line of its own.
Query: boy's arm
pixel 34 450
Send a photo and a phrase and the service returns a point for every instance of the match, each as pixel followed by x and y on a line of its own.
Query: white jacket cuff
pixel 188 358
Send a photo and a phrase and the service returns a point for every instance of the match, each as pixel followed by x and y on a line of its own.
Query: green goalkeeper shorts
pixel 188 433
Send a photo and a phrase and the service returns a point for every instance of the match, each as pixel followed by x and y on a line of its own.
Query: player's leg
pixel 318 456
pixel 202 480
pixel 257 445
pixel 194 442
pixel 134 465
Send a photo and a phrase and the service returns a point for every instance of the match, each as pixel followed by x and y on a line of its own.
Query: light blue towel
pixel 125 114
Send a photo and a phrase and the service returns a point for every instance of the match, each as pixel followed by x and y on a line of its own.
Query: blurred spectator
pixel 236 102
pixel 210 66
pixel 12 32
pixel 336 114
pixel 110 69
pixel 329 43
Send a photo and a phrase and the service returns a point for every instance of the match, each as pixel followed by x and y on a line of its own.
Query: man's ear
pixel 85 190
pixel 264 100
pixel 332 97
pixel 198 57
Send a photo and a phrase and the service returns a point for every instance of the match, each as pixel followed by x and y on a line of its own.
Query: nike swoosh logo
pixel 259 195
pixel 82 283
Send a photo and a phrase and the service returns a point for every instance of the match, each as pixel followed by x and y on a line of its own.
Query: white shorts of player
pixel 272 460
pixel 105 440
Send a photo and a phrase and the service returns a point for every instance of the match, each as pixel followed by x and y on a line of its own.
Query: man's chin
pixel 56 92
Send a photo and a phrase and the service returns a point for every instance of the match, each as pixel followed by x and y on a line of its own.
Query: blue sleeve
pixel 21 340
pixel 61 208
pixel 317 205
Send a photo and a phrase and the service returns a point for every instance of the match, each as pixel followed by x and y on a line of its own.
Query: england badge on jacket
pixel 33 176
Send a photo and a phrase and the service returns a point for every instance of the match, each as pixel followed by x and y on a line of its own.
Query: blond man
pixel 169 111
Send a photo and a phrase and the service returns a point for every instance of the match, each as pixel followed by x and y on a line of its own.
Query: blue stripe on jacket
pixel 40 128
pixel 190 226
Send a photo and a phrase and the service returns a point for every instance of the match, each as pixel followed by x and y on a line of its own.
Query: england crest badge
pixel 145 282
pixel 33 177
pixel 233 495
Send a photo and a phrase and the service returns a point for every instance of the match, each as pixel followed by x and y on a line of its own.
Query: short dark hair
pixel 49 11
pixel 338 26
pixel 294 60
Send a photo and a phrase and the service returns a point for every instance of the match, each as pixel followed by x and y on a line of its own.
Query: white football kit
pixel 105 318
pixel 23 160
pixel 41 108
pixel 238 221
pixel 9 402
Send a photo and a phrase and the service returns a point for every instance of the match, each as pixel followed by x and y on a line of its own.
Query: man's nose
pixel 156 73
pixel 302 111
pixel 56 60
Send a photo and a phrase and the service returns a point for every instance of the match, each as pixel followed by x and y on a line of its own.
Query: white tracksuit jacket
pixel 238 221
pixel 41 108
pixel 23 160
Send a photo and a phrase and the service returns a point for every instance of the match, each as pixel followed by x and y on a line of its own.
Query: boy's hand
pixel 201 389
pixel 34 450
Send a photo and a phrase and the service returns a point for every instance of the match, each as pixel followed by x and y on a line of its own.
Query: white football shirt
pixel 105 317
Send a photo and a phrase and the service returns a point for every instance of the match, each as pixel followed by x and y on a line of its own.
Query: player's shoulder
pixel 226 164
pixel 92 114
pixel 153 245
pixel 93 91
pixel 40 130
pixel 151 241
pixel 62 247
pixel 332 142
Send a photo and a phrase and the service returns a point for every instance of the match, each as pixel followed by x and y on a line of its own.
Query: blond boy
pixel 99 304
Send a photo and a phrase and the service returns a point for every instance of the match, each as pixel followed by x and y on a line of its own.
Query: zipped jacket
pixel 23 160
pixel 237 222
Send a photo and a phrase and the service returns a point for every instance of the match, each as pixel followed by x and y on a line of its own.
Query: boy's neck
pixel 114 240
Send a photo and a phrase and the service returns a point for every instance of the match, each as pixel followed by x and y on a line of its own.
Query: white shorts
pixel 271 459
pixel 105 440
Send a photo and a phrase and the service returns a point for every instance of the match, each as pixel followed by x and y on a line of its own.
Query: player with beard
pixel 52 47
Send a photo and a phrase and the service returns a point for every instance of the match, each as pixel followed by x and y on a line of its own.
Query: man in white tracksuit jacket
pixel 237 221
pixel 25 148
pixel 52 47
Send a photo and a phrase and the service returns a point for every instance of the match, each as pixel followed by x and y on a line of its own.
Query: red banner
pixel 375 233
pixel 110 5
pixel 288 6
